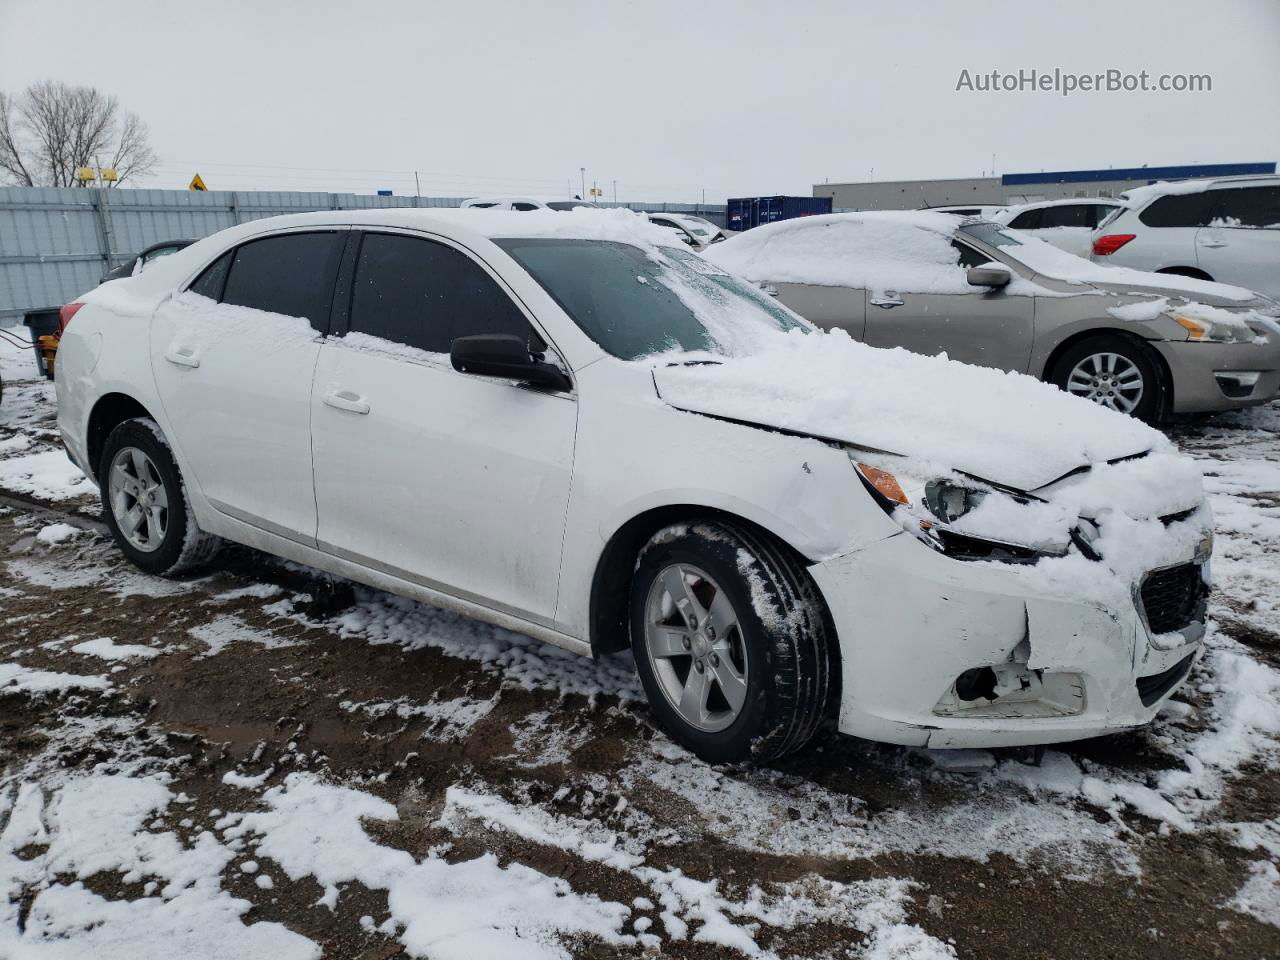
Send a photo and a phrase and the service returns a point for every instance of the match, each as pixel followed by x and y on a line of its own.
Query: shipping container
pixel 747 212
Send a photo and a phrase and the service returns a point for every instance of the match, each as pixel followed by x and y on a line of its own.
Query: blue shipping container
pixel 747 212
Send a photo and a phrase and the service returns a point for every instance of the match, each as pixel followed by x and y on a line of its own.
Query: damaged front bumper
pixel 941 653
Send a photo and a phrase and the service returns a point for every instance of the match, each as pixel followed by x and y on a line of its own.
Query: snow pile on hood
pixel 903 251
pixel 1003 427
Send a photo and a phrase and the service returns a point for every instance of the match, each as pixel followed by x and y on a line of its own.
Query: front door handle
pixel 182 356
pixel 347 400
pixel 1213 242
pixel 886 303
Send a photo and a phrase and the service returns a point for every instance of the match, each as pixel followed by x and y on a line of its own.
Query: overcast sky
pixel 667 98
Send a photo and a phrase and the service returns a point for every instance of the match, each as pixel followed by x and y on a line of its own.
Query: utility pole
pixel 417 190
pixel 583 194
pixel 615 191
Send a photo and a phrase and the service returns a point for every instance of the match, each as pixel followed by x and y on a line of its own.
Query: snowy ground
pixel 261 761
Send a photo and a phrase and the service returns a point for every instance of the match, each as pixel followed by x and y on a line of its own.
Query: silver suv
pixel 1226 230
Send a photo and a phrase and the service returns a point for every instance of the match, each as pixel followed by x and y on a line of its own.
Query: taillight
pixel 1106 245
pixel 65 315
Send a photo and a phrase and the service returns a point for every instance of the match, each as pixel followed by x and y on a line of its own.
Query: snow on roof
pixel 1141 196
pixel 1015 208
pixel 906 250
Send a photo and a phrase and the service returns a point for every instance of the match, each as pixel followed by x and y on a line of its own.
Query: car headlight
pixel 927 507
pixel 1204 330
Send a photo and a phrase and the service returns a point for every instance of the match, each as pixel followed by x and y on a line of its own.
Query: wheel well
pixel 1162 368
pixel 611 586
pixel 1194 272
pixel 110 411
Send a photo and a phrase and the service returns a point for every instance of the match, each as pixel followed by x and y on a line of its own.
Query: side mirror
pixel 989 275
pixel 507 356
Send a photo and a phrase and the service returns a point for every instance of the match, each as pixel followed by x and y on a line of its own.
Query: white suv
pixel 574 428
pixel 1226 230
pixel 1067 224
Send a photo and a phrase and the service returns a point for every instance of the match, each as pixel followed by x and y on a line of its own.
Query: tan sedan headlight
pixel 1204 330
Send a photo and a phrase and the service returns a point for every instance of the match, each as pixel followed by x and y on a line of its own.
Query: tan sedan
pixel 1142 343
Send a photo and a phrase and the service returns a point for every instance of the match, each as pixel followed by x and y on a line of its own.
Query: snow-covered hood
pixel 1005 428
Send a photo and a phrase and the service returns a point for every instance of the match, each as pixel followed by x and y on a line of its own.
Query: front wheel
pixel 1115 372
pixel 145 502
pixel 731 642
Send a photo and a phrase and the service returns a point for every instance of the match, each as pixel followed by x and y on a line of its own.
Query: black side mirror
pixel 989 275
pixel 507 356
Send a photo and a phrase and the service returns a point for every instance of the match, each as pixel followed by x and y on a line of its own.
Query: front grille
pixel 1152 688
pixel 1173 598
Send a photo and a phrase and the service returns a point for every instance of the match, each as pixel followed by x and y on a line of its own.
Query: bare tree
pixel 52 129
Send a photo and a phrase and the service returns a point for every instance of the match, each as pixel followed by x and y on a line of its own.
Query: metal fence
pixel 57 242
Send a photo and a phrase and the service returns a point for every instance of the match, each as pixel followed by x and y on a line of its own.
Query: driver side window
pixel 425 294
pixel 969 257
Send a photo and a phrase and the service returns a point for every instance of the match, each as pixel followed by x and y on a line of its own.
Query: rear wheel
pixel 145 502
pixel 731 642
pixel 1115 372
pixel 1191 272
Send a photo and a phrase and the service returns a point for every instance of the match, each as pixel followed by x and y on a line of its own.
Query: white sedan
pixel 563 424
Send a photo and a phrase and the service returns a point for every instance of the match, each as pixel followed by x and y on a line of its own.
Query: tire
pixel 1099 369
pixel 168 541
pixel 766 678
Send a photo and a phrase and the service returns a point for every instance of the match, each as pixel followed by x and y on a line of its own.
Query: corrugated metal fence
pixel 56 243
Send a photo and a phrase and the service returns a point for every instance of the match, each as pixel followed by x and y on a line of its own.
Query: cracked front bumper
pixel 911 621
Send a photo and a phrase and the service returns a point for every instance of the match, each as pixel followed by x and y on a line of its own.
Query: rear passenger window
pixel 521 205
pixel 1027 220
pixel 209 284
pixel 1178 210
pixel 1067 215
pixel 426 294
pixel 291 274
pixel 1248 207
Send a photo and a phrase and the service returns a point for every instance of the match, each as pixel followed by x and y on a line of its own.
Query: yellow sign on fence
pixel 197 183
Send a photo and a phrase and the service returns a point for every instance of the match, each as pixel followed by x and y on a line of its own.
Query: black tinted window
pixel 1248 206
pixel 970 257
pixel 425 294
pixel 290 274
pixel 521 205
pixel 1178 210
pixel 1027 220
pixel 209 284
pixel 1067 215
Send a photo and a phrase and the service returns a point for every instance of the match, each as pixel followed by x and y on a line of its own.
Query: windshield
pixel 570 204
pixel 635 303
pixel 992 234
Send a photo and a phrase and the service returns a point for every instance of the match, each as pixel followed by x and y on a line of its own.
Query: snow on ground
pixel 48 474
pixel 98 824
pixel 16 678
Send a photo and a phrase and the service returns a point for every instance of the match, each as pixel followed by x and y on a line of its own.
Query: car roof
pixel 1063 202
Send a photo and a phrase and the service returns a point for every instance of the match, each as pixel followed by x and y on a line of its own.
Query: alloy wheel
pixel 1110 379
pixel 695 647
pixel 139 502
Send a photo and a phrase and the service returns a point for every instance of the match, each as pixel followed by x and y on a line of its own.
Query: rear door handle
pixel 347 400
pixel 1213 243
pixel 182 356
pixel 886 303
